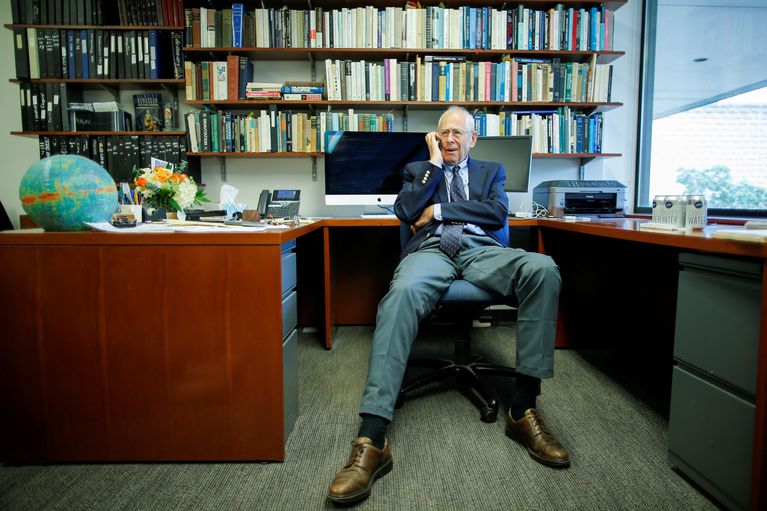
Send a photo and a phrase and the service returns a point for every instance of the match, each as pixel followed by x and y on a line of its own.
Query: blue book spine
pixel 448 80
pixel 593 28
pixel 237 14
pixel 472 28
pixel 486 27
pixel 154 56
pixel 85 52
pixel 465 15
pixel 245 75
pixel 71 54
pixel 302 89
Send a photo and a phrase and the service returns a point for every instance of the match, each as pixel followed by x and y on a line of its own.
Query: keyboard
pixel 378 215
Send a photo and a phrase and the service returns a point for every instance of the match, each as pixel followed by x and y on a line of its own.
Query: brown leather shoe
pixel 540 443
pixel 365 465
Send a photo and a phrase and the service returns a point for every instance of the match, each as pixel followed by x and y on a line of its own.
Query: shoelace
pixel 540 429
pixel 357 451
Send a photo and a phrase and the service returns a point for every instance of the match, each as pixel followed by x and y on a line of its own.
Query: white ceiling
pixel 729 33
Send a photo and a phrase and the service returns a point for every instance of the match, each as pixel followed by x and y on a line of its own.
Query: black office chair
pixel 5 222
pixel 463 301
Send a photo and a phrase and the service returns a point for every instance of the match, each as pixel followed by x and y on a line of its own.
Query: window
pixel 704 107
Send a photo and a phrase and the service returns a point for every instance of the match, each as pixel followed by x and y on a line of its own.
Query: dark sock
pixel 374 427
pixel 526 388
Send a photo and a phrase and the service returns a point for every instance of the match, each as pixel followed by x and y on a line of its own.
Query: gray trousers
pixel 420 280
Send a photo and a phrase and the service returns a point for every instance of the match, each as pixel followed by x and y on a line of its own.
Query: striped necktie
pixel 450 239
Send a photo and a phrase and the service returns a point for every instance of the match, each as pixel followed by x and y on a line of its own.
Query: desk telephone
pixel 279 203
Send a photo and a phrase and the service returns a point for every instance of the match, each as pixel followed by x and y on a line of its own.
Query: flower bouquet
pixel 163 186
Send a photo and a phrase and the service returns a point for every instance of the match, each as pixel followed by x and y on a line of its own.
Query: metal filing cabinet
pixel 289 337
pixel 716 342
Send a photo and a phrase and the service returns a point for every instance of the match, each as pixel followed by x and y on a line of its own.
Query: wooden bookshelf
pixel 256 53
pixel 200 56
pixel 437 105
pixel 97 133
pixel 259 154
pixel 95 27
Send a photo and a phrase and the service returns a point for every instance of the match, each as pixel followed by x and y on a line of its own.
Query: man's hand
pixel 435 152
pixel 426 217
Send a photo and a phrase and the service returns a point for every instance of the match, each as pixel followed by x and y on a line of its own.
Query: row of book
pixel 98 12
pixel 54 107
pixel 446 78
pixel 217 80
pixel 274 131
pixel 559 131
pixel 519 28
pixel 98 54
pixel 44 106
pixel 151 12
pixel 119 154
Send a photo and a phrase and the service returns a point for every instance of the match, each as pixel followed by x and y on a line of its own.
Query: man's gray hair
pixel 455 109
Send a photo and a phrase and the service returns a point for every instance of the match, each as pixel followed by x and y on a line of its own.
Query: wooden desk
pixel 120 347
pixel 166 347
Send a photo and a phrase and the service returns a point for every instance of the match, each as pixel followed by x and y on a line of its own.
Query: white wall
pixel 251 175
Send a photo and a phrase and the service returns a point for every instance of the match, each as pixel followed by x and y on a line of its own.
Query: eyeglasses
pixel 457 134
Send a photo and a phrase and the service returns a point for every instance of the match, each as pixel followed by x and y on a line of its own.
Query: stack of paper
pixel 755 235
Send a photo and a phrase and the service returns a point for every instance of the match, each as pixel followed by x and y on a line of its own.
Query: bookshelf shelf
pixel 12 26
pixel 287 54
pixel 97 133
pixel 255 155
pixel 538 4
pixel 570 156
pixel 111 82
pixel 561 156
pixel 436 105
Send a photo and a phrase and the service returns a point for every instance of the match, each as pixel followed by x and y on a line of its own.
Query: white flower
pixel 185 195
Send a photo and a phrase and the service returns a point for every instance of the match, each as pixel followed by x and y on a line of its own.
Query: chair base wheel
pixel 488 414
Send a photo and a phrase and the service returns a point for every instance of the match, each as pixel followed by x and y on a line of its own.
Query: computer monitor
pixel 365 168
pixel 514 152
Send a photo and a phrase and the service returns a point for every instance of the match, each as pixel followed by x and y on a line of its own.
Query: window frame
pixel 644 129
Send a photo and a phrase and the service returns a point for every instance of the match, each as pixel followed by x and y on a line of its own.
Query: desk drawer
pixel 717 318
pixel 289 313
pixel 288 271
pixel 290 382
pixel 710 437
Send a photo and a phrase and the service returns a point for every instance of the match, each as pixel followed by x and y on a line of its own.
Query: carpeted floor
pixel 610 415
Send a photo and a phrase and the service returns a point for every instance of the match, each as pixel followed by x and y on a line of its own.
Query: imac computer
pixel 365 168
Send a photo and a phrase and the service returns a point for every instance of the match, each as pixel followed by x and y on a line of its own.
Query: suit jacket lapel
pixel 476 180
pixel 441 190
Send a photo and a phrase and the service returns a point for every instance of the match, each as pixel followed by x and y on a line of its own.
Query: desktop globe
pixel 61 192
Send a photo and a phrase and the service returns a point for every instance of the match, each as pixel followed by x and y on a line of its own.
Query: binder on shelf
pixel 21 51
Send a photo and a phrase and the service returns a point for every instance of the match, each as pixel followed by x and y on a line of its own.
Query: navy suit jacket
pixel 486 207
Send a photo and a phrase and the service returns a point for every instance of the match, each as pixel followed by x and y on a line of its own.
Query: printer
pixel 605 198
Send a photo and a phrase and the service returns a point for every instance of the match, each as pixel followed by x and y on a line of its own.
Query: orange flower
pixel 162 174
pixel 176 177
pixel 141 181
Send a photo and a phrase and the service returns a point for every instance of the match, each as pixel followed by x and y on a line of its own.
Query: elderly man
pixel 458 211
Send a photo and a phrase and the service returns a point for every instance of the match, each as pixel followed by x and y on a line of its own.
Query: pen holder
pixel 132 209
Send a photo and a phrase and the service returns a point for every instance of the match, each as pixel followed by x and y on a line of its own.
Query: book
pixel 148 111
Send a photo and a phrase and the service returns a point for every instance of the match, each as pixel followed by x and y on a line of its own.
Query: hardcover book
pixel 148 110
